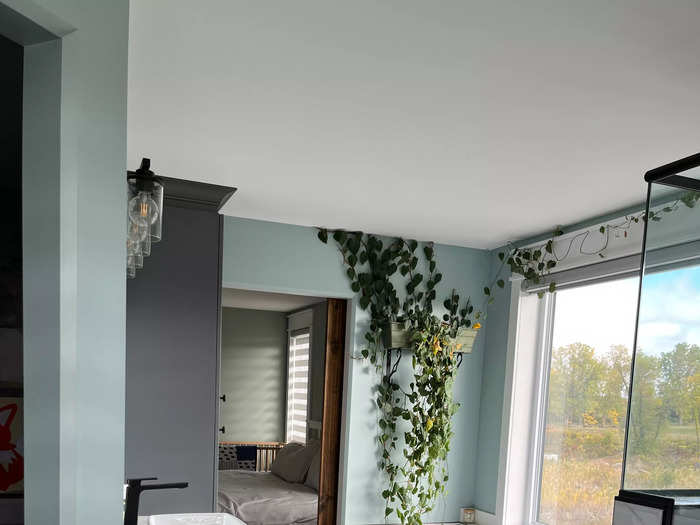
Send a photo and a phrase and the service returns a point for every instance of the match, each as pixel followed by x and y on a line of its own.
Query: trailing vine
pixel 535 263
pixel 415 424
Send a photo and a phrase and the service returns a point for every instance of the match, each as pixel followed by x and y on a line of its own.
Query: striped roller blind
pixel 298 385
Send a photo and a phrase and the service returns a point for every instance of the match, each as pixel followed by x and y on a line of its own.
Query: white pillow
pixel 292 462
pixel 314 474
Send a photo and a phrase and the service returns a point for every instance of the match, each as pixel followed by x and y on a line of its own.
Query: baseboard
pixel 485 518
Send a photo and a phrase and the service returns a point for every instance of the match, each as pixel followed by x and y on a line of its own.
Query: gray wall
pixel 253 374
pixel 171 365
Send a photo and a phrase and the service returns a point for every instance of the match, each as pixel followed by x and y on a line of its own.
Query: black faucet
pixel 133 493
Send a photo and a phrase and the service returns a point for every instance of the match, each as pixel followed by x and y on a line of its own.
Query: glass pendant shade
pixel 144 215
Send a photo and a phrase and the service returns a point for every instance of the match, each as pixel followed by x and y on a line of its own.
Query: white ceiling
pixel 468 123
pixel 275 302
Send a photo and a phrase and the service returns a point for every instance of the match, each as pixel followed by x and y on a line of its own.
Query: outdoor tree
pixel 677 368
pixel 647 412
pixel 616 382
pixel 575 383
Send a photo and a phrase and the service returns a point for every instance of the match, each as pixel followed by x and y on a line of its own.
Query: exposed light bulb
pixel 143 210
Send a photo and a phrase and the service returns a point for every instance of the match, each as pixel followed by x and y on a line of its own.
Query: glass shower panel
pixel 663 437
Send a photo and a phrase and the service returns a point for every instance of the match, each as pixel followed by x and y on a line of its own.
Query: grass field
pixel 582 472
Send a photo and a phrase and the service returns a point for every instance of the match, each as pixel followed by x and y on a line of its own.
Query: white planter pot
pixel 465 337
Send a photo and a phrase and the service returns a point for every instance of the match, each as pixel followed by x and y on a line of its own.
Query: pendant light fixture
pixel 144 215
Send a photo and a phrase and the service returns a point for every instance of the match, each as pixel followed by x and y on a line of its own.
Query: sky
pixel 670 310
pixel 604 314
pixel 599 315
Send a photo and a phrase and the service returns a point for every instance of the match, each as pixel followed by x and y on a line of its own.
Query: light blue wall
pixel 278 257
pixel 41 284
pixel 73 215
pixel 492 385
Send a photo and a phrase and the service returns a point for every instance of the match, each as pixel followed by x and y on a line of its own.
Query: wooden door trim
pixel 332 412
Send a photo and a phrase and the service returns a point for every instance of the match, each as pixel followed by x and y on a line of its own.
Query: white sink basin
pixel 190 519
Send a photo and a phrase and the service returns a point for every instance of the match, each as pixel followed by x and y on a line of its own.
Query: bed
pixel 262 498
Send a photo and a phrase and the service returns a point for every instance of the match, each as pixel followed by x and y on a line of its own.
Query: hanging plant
pixel 415 424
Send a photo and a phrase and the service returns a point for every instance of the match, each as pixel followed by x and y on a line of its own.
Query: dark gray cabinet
pixel 172 349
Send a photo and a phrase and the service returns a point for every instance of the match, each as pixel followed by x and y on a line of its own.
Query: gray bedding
pixel 261 498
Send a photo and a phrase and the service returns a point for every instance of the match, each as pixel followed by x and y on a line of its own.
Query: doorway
pixel 281 386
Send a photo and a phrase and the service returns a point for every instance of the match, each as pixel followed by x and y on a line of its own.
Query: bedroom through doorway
pixel 280 393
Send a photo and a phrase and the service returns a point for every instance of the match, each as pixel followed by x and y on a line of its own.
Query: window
pixel 585 371
pixel 298 385
pixel 663 445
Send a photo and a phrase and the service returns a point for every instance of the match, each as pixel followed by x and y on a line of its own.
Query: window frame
pixel 546 318
pixel 543 367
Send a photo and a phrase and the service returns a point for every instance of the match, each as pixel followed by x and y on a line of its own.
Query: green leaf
pixel 500 283
pixel 487 290
pixel 323 235
pixel 552 287
pixel 501 255
pixel 365 353
pixel 601 229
